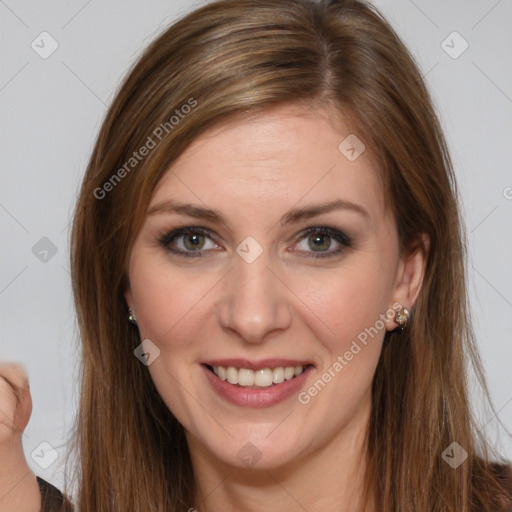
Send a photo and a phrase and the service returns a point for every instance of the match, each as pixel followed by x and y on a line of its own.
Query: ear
pixel 128 298
pixel 409 277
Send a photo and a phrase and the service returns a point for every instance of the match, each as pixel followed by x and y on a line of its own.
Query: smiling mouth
pixel 263 378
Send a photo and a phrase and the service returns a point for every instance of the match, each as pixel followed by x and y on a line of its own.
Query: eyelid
pixel 326 230
pixel 166 237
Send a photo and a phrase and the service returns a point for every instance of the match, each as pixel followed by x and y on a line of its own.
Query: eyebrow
pixel 293 216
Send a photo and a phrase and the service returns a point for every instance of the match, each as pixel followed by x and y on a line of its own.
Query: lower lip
pixel 257 397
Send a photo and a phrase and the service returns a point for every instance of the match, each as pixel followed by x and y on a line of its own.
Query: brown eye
pixel 319 242
pixel 190 241
pixel 323 241
pixel 193 241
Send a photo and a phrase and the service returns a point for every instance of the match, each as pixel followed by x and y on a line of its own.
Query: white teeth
pixel 278 375
pixel 232 375
pixel 221 373
pixel 289 372
pixel 263 378
pixel 245 377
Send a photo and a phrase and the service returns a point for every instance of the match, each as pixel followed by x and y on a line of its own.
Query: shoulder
pixel 496 491
pixel 503 474
pixel 52 500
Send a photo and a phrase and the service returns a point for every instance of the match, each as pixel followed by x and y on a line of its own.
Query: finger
pixel 8 405
pixel 15 374
pixel 15 399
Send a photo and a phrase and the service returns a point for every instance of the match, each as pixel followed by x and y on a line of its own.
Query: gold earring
pixel 131 317
pixel 401 317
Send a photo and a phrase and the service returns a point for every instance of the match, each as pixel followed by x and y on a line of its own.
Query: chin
pixel 257 450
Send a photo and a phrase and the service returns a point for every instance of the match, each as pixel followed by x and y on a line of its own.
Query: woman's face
pixel 267 246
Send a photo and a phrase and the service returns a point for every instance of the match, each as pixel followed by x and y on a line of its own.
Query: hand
pixel 19 490
pixel 15 404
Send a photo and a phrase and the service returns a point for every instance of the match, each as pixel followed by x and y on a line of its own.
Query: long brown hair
pixel 230 59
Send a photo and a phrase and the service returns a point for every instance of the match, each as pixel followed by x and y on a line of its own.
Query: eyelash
pixel 166 239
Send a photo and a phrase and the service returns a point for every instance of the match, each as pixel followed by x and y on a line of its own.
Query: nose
pixel 254 302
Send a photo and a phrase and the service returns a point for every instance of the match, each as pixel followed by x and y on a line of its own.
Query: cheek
pixel 350 304
pixel 350 322
pixel 166 300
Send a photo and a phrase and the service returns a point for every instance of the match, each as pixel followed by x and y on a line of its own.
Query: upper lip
pixel 256 365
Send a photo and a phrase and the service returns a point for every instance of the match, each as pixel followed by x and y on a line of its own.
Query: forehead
pixel 268 163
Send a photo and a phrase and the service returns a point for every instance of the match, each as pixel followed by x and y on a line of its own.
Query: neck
pixel 330 478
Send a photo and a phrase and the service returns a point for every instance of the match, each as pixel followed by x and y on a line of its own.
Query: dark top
pixel 52 499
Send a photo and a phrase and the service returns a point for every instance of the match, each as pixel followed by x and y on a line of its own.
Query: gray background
pixel 51 110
